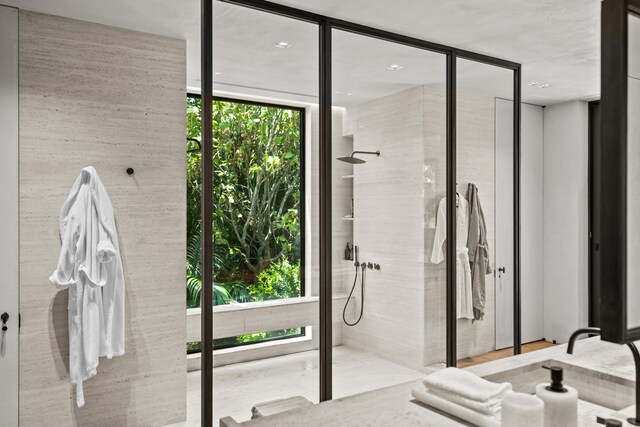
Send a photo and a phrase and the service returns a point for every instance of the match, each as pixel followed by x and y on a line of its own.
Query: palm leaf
pixel 193 254
pixel 194 288
pixel 238 291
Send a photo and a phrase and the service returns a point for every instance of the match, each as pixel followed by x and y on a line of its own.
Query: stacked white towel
pixel 471 398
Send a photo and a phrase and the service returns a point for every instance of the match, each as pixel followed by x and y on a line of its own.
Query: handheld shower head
pixel 356 161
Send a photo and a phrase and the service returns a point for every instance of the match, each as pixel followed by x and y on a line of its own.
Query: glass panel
pixel 389 323
pixel 633 178
pixel 484 210
pixel 265 214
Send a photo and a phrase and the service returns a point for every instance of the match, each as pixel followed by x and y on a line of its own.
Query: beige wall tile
pixel 111 98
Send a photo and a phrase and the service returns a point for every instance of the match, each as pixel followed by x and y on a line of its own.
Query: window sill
pixel 260 316
pixel 253 317
pixel 260 350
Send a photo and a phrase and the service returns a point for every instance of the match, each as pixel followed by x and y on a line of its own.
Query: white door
pixel 504 224
pixel 9 216
pixel 531 223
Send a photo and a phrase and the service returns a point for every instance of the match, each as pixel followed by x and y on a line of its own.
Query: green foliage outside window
pixel 257 205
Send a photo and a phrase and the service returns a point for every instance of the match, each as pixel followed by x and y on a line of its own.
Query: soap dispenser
pixel 560 401
pixel 348 253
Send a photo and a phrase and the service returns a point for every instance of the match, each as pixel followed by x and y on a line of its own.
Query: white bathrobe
pixel 90 265
pixel 464 298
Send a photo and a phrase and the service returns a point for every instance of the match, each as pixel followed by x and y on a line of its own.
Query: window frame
pixel 302 211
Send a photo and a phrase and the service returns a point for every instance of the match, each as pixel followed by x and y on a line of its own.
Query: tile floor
pixel 238 387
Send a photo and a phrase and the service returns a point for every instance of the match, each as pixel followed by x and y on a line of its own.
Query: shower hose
pixel 353 288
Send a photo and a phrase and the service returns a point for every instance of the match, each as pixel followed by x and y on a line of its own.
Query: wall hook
pixel 130 171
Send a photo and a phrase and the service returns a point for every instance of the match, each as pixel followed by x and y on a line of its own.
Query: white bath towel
pixel 458 382
pixel 458 411
pixel 491 407
pixel 90 265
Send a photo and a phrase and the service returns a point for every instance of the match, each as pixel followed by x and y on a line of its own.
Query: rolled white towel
pixel 464 384
pixel 473 417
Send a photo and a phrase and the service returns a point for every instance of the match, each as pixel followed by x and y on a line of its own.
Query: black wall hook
pixel 195 150
pixel 130 171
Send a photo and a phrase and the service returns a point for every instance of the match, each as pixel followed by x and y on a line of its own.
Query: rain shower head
pixel 356 161
pixel 352 160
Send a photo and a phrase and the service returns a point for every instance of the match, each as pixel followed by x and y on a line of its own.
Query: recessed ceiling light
pixel 349 94
pixel 337 92
pixel 539 85
pixel 283 45
pixel 394 67
pixel 217 73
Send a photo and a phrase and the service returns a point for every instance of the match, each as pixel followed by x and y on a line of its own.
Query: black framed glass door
pixel 329 31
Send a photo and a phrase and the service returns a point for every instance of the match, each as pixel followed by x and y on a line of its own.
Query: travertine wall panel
pixel 111 98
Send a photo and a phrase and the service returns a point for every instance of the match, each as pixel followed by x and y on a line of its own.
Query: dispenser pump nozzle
pixel 556 379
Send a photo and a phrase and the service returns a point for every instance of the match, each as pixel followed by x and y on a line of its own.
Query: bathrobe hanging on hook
pixel 464 299
pixel 478 252
pixel 90 265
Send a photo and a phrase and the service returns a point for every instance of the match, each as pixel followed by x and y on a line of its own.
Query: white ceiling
pixel 556 41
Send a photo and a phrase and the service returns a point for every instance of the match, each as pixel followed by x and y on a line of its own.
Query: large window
pixel 258 217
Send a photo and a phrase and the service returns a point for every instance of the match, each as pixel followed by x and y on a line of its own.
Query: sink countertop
pixel 613 361
pixel 393 406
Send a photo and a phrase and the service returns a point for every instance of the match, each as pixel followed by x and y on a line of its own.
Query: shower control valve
pixel 376 267
pixel 370 266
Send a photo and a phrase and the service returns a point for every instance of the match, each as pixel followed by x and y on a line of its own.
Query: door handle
pixel 502 270
pixel 4 317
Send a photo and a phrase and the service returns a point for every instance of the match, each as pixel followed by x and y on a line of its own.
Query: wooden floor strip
pixel 501 354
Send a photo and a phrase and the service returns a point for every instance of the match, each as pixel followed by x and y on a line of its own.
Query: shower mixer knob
pixel 370 266
pixel 376 267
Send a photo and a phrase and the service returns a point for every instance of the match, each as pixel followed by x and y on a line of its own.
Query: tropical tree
pixel 257 183
pixel 256 202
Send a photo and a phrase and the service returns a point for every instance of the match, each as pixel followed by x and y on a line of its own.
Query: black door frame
pixel 206 202
pixel 593 153
pixel 326 25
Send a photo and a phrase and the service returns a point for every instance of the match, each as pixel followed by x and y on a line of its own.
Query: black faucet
pixel 636 359
pixel 576 334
